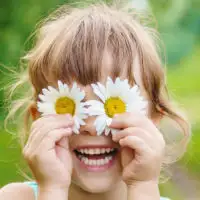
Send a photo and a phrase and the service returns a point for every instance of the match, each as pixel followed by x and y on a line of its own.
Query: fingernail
pixel 116 115
pixel 69 117
pixel 109 122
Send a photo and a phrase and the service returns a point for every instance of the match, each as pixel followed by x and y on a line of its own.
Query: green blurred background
pixel 179 25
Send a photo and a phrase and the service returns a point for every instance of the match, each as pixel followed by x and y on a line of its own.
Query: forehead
pixel 108 68
pixel 107 71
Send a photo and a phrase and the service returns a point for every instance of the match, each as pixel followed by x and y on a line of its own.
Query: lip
pixel 93 168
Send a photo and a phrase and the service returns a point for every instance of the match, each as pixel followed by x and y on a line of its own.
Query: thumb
pixel 63 152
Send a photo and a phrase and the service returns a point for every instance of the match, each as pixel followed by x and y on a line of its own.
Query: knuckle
pixel 50 135
pixel 130 115
pixel 65 117
pixel 35 124
pixel 40 121
pixel 130 130
pixel 27 156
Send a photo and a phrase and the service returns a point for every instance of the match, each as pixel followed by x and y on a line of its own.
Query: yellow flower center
pixel 114 105
pixel 65 105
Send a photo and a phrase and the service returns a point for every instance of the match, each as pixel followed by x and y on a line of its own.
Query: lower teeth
pixel 96 162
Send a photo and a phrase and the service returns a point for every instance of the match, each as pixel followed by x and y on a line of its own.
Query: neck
pixel 119 192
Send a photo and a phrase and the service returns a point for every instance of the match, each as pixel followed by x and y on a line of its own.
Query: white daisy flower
pixel 64 101
pixel 117 97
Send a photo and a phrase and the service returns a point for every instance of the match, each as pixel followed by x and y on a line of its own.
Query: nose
pixel 89 127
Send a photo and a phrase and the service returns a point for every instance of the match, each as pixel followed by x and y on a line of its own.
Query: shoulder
pixel 17 191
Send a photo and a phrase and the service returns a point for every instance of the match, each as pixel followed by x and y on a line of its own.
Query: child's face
pixel 99 175
pixel 90 177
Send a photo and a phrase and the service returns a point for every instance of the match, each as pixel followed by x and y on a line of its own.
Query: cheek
pixel 74 140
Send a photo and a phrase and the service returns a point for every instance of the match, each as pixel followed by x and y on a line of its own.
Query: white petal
pixel 46 108
pixel 82 112
pixel 81 95
pixel 109 87
pixel 100 124
pixel 134 89
pixel 61 87
pixel 95 112
pixel 107 131
pixel 80 109
pixel 42 97
pixel 114 131
pixel 82 116
pixel 53 91
pixel 102 128
pixel 108 121
pixel 48 96
pixel 74 93
pixel 94 103
pixel 98 92
pixel 45 91
pixel 75 130
pixel 140 106
pixel 102 88
pixel 76 126
pixel 80 121
pixel 95 108
pixel 126 97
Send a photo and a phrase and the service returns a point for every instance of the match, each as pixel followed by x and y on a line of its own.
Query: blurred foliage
pixel 179 25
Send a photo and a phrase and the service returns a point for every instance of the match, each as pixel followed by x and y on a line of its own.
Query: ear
pixel 34 112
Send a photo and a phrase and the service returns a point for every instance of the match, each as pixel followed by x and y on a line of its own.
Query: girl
pixel 95 93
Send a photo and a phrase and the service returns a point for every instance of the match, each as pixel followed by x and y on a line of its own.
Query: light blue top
pixel 35 189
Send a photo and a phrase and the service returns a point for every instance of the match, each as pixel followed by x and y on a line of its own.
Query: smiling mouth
pixel 96 157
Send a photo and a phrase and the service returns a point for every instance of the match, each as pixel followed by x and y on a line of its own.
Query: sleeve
pixel 164 198
pixel 34 186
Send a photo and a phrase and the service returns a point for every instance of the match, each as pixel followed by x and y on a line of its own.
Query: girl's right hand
pixel 47 151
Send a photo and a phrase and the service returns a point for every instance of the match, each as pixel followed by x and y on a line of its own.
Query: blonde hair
pixel 70 46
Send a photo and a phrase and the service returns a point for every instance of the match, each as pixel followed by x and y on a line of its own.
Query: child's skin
pixel 49 153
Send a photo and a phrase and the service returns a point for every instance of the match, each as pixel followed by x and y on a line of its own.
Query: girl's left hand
pixel 142 147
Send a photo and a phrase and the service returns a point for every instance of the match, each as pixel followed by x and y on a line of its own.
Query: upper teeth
pixel 95 150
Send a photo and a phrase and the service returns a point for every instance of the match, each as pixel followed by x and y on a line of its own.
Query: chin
pixel 96 170
pixel 96 184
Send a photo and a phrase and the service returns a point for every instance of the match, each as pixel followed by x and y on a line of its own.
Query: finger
pixel 37 124
pixel 135 119
pixel 135 143
pixel 134 131
pixel 63 143
pixel 49 141
pixel 126 120
pixel 47 124
pixel 62 149
pixel 53 129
